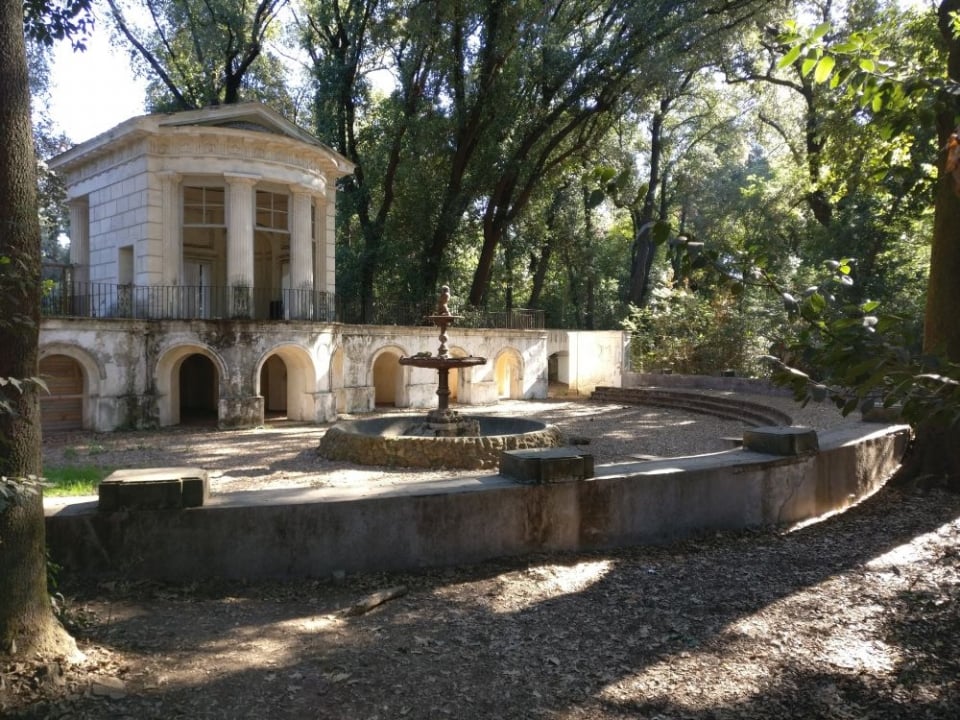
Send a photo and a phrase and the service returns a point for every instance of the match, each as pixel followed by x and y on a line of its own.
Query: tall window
pixel 272 211
pixel 203 206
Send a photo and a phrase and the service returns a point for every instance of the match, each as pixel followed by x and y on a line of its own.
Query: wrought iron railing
pixel 186 302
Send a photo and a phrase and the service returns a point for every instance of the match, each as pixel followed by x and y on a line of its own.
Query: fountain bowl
pixel 382 441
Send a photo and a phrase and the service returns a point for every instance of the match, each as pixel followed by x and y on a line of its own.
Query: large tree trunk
pixel 941 328
pixel 26 620
pixel 935 453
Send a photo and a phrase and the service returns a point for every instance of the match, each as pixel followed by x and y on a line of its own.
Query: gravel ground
pixel 283 454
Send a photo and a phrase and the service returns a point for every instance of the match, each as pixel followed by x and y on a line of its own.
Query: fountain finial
pixel 442 306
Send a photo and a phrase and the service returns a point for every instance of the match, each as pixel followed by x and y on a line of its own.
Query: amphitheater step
pixel 704 402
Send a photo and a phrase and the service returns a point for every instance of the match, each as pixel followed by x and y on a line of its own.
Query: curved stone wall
pixel 289 533
pixel 380 441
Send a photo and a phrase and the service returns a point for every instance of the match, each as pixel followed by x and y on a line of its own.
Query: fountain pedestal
pixel 444 438
pixel 444 422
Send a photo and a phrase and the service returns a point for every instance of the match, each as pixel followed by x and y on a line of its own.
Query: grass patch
pixel 70 480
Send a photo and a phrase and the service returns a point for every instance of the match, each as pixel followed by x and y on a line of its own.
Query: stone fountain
pixel 444 438
pixel 444 422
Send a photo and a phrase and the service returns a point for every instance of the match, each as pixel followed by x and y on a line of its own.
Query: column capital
pixel 169 175
pixel 314 189
pixel 241 179
pixel 299 189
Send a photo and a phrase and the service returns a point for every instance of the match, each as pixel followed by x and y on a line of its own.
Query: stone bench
pixel 546 465
pixel 778 440
pixel 167 488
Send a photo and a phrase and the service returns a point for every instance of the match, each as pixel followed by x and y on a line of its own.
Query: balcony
pixel 182 302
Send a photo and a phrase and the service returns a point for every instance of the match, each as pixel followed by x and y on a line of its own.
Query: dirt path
pixel 854 617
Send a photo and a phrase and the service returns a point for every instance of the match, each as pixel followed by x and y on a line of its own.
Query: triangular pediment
pixel 252 117
pixel 246 117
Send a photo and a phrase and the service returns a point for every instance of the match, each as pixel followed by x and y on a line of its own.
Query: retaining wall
pixel 312 533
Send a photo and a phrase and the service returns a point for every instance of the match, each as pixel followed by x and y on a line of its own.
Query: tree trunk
pixel 941 328
pixel 541 265
pixel 644 248
pixel 935 452
pixel 26 620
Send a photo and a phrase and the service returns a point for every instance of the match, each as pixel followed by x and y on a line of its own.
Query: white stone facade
pixel 223 197
pixel 133 368
pixel 201 284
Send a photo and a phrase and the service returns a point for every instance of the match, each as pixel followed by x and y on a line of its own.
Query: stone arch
pixel 73 378
pixel 387 377
pixel 168 375
pixel 508 374
pixel 287 379
pixel 456 378
pixel 558 372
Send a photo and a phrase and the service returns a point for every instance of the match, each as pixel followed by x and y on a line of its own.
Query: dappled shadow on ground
pixel 853 617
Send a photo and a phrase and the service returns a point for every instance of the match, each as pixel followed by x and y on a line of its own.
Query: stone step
pixel 166 488
pixel 732 408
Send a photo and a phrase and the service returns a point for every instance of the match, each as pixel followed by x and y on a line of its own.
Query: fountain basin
pixel 445 362
pixel 381 441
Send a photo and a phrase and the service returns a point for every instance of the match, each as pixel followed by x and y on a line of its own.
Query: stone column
pixel 170 227
pixel 79 293
pixel 80 239
pixel 326 246
pixel 323 302
pixel 171 233
pixel 240 245
pixel 301 256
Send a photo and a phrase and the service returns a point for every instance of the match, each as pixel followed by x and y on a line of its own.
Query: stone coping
pixel 734 459
pixel 316 532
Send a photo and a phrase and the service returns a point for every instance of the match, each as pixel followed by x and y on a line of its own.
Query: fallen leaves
pixel 853 617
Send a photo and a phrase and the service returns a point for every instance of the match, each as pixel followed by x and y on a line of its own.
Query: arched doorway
pixel 199 390
pixel 558 374
pixel 455 377
pixel 273 387
pixel 387 376
pixel 287 382
pixel 61 409
pixel 508 374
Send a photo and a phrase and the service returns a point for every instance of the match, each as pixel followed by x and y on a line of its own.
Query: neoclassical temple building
pixel 202 287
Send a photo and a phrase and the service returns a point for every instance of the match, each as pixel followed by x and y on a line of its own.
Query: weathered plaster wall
pixel 136 362
pixel 587 359
pixel 363 343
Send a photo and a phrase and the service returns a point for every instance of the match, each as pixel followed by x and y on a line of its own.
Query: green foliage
pixel 201 53
pixel 73 480
pixel 490 102
pixel 859 357
pixel 47 21
pixel 687 332
pixel 871 67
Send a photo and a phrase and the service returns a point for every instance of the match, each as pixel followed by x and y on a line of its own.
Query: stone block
pixel 154 489
pixel 881 414
pixel 781 440
pixel 546 465
pixel 196 489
